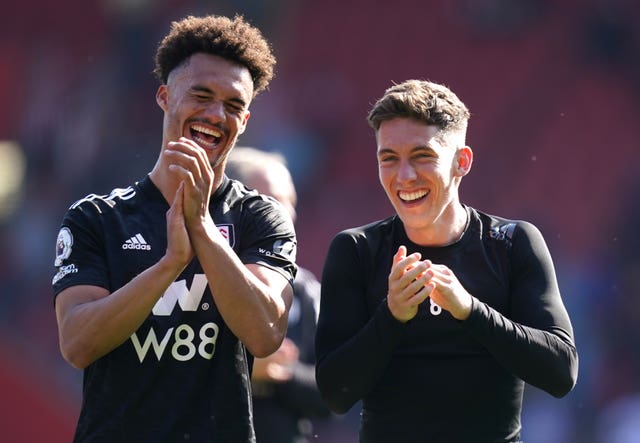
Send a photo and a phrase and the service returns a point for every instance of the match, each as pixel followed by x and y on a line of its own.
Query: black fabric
pixel 434 378
pixel 282 411
pixel 183 375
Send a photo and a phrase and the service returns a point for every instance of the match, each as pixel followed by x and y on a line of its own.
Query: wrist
pixel 465 309
pixel 171 265
pixel 201 226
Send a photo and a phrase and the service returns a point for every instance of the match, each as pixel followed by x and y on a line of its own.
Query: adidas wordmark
pixel 136 242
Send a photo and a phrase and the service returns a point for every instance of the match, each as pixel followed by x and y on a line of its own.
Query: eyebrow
pixel 415 149
pixel 385 151
pixel 199 88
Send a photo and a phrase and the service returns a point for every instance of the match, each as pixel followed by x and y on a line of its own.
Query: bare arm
pixel 93 322
pixel 253 299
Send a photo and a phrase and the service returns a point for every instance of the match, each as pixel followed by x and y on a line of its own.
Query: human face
pixel 421 171
pixel 206 99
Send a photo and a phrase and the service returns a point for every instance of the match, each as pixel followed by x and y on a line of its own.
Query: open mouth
pixel 412 197
pixel 206 137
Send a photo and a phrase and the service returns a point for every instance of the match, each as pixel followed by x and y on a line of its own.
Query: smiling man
pixel 437 316
pixel 165 290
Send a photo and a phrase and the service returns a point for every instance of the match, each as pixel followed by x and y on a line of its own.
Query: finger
pixel 400 254
pixel 405 264
pixel 200 154
pixel 421 295
pixel 178 198
pixel 186 145
pixel 415 272
pixel 185 160
pixel 413 288
pixel 184 175
pixel 176 203
pixel 410 259
pixel 396 271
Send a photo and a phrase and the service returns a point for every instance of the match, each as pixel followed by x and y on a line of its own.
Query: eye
pixel 424 156
pixel 387 159
pixel 201 97
pixel 234 108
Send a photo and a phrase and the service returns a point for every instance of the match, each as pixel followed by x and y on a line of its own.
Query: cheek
pixel 386 181
pixel 173 121
pixel 383 176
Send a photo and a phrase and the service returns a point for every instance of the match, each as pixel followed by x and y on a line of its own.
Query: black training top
pixel 183 375
pixel 437 379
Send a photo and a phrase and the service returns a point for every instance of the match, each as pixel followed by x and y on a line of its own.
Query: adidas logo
pixel 136 242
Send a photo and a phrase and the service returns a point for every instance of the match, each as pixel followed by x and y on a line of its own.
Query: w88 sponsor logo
pixel 185 344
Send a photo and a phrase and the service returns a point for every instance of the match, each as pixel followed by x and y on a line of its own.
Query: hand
pixel 276 368
pixel 407 284
pixel 179 247
pixel 448 292
pixel 190 164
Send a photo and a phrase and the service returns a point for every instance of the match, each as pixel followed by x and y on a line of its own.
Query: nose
pixel 406 172
pixel 214 111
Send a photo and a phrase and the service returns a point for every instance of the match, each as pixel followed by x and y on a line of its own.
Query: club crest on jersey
pixel 228 232
pixel 63 245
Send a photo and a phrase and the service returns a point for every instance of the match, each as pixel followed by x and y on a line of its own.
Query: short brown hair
pixel 235 40
pixel 422 100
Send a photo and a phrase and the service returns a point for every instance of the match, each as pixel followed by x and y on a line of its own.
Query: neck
pixel 447 229
pixel 164 182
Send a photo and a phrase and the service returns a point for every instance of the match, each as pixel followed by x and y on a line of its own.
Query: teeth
pixel 207 131
pixel 203 142
pixel 410 196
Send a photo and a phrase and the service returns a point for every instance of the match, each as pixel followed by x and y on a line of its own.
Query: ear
pixel 243 125
pixel 464 160
pixel 162 97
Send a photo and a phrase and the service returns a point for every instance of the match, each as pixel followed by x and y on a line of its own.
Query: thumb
pixel 400 254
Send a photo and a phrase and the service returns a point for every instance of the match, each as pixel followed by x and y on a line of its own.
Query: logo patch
pixel 285 248
pixel 136 242
pixel 503 233
pixel 228 233
pixel 64 270
pixel 63 245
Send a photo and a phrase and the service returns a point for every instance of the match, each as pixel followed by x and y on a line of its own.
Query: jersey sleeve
pixel 80 258
pixel 535 341
pixel 269 238
pixel 353 347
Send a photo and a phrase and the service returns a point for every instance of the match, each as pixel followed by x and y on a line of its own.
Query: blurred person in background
pixel 285 394
pixel 166 289
pixel 437 316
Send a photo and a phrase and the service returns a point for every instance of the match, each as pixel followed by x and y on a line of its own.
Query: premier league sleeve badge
pixel 63 245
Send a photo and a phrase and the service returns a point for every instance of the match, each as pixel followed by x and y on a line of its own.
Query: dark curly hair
pixel 236 40
pixel 422 100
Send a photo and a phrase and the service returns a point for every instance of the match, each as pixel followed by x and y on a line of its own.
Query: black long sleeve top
pixel 437 379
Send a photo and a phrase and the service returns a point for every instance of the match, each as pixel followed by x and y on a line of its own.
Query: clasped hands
pixel 412 280
pixel 191 168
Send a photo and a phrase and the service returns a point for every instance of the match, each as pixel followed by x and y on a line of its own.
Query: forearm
pixel 348 373
pixel 546 359
pixel 93 324
pixel 252 305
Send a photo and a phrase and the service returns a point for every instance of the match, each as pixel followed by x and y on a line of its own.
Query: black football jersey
pixel 434 378
pixel 183 375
